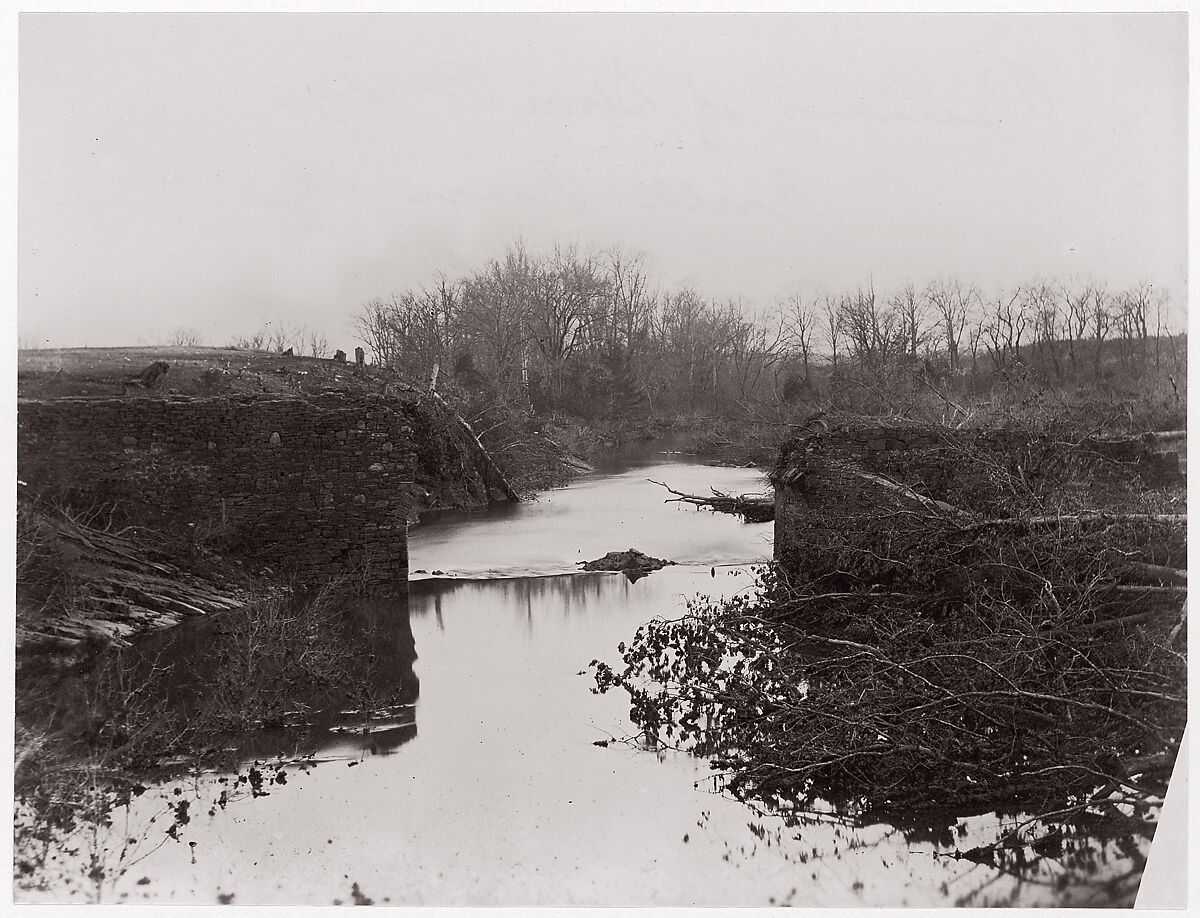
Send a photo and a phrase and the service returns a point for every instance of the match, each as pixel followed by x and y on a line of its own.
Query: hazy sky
pixel 220 171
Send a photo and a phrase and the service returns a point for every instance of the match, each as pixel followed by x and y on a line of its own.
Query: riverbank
pixel 488 646
pixel 276 681
pixel 884 657
pixel 441 783
pixel 957 620
pixel 161 489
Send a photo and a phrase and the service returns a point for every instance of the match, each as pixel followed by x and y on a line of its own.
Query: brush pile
pixel 80 580
pixel 1024 650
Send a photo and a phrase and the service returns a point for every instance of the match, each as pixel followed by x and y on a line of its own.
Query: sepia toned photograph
pixel 529 459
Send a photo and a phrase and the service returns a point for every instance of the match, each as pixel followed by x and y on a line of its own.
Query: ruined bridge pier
pixel 855 486
pixel 316 487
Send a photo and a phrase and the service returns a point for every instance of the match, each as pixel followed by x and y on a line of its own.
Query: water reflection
pixel 368 704
pixel 383 629
pixel 527 599
pixel 518 790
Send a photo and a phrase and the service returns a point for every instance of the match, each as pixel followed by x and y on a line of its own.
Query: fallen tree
pixel 79 582
pixel 499 480
pixel 753 508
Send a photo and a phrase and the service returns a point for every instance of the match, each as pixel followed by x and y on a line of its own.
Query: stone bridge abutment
pixel 317 486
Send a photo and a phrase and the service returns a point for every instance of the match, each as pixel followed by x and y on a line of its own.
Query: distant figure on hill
pixel 151 376
pixel 360 356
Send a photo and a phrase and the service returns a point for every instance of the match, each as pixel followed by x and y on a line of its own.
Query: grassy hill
pixel 193 371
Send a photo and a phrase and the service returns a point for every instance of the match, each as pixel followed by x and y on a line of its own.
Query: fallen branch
pixel 1087 517
pixel 508 490
pixel 1136 619
pixel 1145 590
pixel 939 507
pixel 1160 572
pixel 1168 436
pixel 753 508
pixel 1177 627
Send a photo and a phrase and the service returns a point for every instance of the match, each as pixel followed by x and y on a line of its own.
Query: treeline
pixel 277 336
pixel 592 333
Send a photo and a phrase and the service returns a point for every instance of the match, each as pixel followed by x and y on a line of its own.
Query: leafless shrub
pixel 318 344
pixel 184 337
pixel 1025 654
pixel 280 335
pixel 277 651
pixel 253 342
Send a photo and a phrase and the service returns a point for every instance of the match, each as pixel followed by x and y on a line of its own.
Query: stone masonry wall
pixel 871 443
pixel 828 514
pixel 315 486
pixel 866 441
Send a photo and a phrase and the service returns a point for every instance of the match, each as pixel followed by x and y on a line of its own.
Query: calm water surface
pixel 489 789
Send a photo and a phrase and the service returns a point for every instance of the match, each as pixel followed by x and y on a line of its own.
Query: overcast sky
pixel 221 171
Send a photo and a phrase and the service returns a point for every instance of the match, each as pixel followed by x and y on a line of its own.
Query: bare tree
pixel 497 313
pixel 280 336
pixel 1041 303
pixel 184 337
pixel 1004 327
pixel 563 291
pixel 799 321
pixel 256 341
pixel 622 325
pixel 681 333
pixel 721 330
pixel 1078 297
pixel 756 346
pixel 380 325
pixel 1132 308
pixel 1101 323
pixel 318 344
pixel 832 315
pixel 951 303
pixel 1160 326
pixel 974 340
pixel 589 333
pixel 870 331
pixel 910 308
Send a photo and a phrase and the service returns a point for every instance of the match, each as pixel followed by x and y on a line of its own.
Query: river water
pixel 487 787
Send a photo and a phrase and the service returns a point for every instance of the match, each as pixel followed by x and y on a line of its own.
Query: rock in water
pixel 631 562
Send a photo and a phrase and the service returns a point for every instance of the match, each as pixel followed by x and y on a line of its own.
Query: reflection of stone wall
pixel 312 486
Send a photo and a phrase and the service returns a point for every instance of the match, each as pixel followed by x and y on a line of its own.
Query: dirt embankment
pixel 194 371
